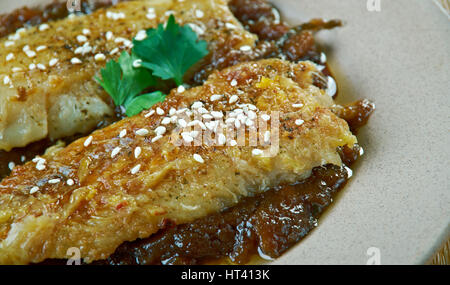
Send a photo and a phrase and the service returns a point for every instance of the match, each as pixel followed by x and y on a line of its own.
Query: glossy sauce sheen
pixel 268 224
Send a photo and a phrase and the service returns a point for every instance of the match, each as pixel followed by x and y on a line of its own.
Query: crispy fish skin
pixel 108 205
pixel 64 99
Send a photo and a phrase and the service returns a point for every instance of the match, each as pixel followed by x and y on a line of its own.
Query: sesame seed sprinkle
pixel 233 82
pixel 198 158
pixel 137 151
pixel 44 27
pixel 75 60
pixel 34 189
pixel 135 169
pixel 158 137
pixel 99 57
pixel 115 152
pixel 54 181
pixel 233 99
pixel 299 122
pixel 88 141
pixel 41 48
pixel 53 62
pixel 11 165
pixel 159 111
pixel 70 182
pixel 122 133
pixel 142 132
pixel 257 152
pixel 10 56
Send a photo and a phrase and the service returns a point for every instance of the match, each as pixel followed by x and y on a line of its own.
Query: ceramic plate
pixel 396 209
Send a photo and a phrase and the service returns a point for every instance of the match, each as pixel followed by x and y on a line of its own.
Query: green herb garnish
pixel 166 53
pixel 170 52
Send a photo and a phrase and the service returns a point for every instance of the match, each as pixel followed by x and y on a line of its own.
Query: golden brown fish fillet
pixel 44 94
pixel 95 194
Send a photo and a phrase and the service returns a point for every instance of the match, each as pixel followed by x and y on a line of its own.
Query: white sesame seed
pixel 323 58
pixel 207 116
pixel 199 14
pixel 53 62
pixel 9 43
pixel 332 88
pixel 41 48
pixel 44 27
pixel 187 137
pixel 349 172
pixel 70 182
pixel 182 123
pixel 11 165
pixel 222 139
pixel 230 26
pixel 86 32
pixel 16 69
pixel 99 57
pixel 41 66
pixel 141 35
pixel 150 16
pixel 79 50
pixel 32 66
pixel 137 63
pixel 10 56
pixel 34 189
pixel 149 113
pixel 142 132
pixel 267 136
pixel 198 158
pixel 135 169
pixel 54 181
pixel 88 141
pixel 137 151
pixel 122 133
pixel 40 166
pixel 109 35
pixel 197 105
pixel 245 48
pixel 115 151
pixel 75 60
pixel 299 122
pixel 159 111
pixel 202 110
pixel 30 53
pixel 297 105
pixel 233 99
pixel 114 50
pixel 156 138
pixel 165 121
pixel 257 152
pixel 81 38
pixel 160 130
pixel 265 117
pixel 233 143
pixel 233 82
pixel 6 80
pixel 215 97
pixel 217 114
pixel 181 89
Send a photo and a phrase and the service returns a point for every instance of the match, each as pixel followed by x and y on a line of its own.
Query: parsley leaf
pixel 136 104
pixel 122 81
pixel 170 52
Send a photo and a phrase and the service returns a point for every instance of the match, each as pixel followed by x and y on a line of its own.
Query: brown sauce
pixel 267 224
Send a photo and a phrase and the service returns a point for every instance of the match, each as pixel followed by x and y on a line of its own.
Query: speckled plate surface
pixel 396 209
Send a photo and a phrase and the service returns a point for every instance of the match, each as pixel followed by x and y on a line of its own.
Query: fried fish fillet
pixel 126 180
pixel 47 86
